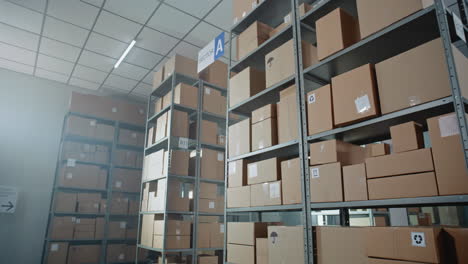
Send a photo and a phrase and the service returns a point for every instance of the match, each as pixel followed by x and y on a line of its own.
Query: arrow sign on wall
pixel 8 197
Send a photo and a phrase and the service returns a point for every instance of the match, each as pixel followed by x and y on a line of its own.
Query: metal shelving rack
pixel 108 191
pixel 173 143
pixel 412 31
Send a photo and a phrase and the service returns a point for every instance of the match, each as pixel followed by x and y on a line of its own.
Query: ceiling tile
pixel 83 83
pixel 38 5
pixel 96 3
pixel 114 90
pixel 203 34
pixel 89 74
pixel 97 61
pixel 105 45
pixel 51 75
pixel 186 49
pixel 149 78
pixel 221 15
pixel 15 66
pixel 120 82
pixel 73 11
pixel 172 21
pixel 65 32
pixel 59 49
pixel 142 58
pixel 116 27
pixel 55 65
pixel 21 17
pixel 155 41
pixel 17 54
pixel 135 10
pixel 18 37
pixel 143 89
pixel 196 8
pixel 130 71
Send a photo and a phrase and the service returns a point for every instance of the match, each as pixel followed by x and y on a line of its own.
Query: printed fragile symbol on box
pixel 418 239
pixel 311 98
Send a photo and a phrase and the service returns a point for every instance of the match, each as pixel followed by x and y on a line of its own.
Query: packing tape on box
pixel 211 205
pixel 362 104
pixel 252 170
pixel 311 98
pixel 315 173
pixel 220 156
pixel 448 126
pixel 413 100
pixel 221 228
pixel 275 190
pixel 418 239
pixel 232 168
pixel 54 247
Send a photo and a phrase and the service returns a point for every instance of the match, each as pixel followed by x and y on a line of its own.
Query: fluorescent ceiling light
pixel 125 53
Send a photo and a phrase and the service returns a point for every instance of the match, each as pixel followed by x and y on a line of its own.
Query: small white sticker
pixel 274 190
pixel 220 156
pixel 252 170
pixel 211 204
pixel 118 184
pixel 235 20
pixel 71 162
pixel 243 14
pixel 362 104
pixel 73 219
pixel 314 173
pixel 123 225
pixel 459 27
pixel 78 221
pixel 261 144
pixel 448 126
pixel 287 19
pixel 96 205
pixel 183 143
pixel 177 231
pixel 114 109
pixel 54 247
pixel 418 239
pixel 311 98
pixel 134 135
pixel 207 90
pixel 141 111
pixel 121 256
pixel 232 168
pixel 254 4
pixel 221 228
pixel 69 175
pixel 92 123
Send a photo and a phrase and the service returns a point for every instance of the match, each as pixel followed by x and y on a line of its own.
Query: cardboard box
pixel 287 115
pixel 237 173
pixel 454 243
pixel 341 245
pixel 57 253
pixel 216 73
pixel 84 254
pixel 151 136
pixel 216 235
pixel 326 183
pixel 153 166
pixel 172 242
pixel 209 132
pixel 126 158
pixel 252 38
pixel 264 113
pixel 62 227
pixel 173 227
pixel 211 205
pixel 281 27
pixel 245 233
pixel 309 54
pixel 388 261
pixel 285 244
pixel 166 100
pixel 279 64
pixel 214 102
pixel 241 8
pixel 65 202
pixel 105 132
pixel 319 110
pixel 119 205
pixel 116 253
pixel 207 260
pixel 182 65
pixel 404 186
pixel 126 180
pixel 400 163
pixel 238 197
pixel 354 95
pixel 291 181
pixel 335 31
pixel 378 149
pixel 407 136
pixel 180 124
pixel 99 230
pixel 414 77
pixel 240 253
pixel 208 190
pixel 117 229
pixel 355 182
pixel 80 126
pixel 157 105
pixel 261 251
pixel 212 164
pixel 158 77
pixel 264 134
pixel 336 151
pixel 376 15
pixel 239 138
pixel 179 162
pixel 203 236
pixel 245 84
pixel 447 151
pixel 264 194
pixel 263 171
pixel 418 244
pixel 186 95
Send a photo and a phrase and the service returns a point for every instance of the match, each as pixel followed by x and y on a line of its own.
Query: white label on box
pixel 252 170
pixel 134 135
pixel 114 109
pixel 221 228
pixel 118 184
pixel 314 173
pixel 287 19
pixel 261 144
pixel 220 156
pixel 235 20
pixel 274 190
pixel 96 205
pixel 183 143
pixel 121 256
pixel 414 100
pixel 254 4
pixel 459 27
pixel 141 111
pixel 177 231
pixel 207 90
pixel 362 104
pixel 211 204
pixel 73 219
pixel 243 14
pixel 69 175
pixel 448 126
pixel 78 221
pixel 418 239
pixel 123 224
pixel 71 162
pixel 311 98
pixel 232 167
pixel 92 123
pixel 54 247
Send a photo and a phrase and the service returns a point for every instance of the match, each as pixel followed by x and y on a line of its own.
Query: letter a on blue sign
pixel 219 46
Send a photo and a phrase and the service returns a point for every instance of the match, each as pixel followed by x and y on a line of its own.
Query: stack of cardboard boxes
pixel 177 233
pixel 128 158
pixel 126 180
pixel 82 176
pixel 131 138
pixel 73 228
pixel 85 152
pixel 90 128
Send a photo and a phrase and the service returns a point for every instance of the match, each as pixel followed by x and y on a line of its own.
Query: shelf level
pixel 292 207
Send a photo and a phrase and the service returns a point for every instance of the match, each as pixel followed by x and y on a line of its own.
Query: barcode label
pixel 183 143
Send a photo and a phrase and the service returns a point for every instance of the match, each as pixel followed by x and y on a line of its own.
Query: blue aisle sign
pixel 211 52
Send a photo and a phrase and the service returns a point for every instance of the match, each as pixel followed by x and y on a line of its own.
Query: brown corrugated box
pixel 265 194
pixel 216 73
pixel 407 136
pixel 158 77
pixel 105 132
pixel 207 259
pixel 264 134
pixel 99 230
pixel 88 202
pixel 179 162
pixel 116 229
pixel 354 95
pixel 126 180
pixel 378 149
pixel 208 190
pixel 65 202
pixel 404 186
pixel 237 173
pixel 245 84
pixel 80 126
pixel 84 228
pixel 376 15
pixel 245 233
pixel 287 115
pixel 216 235
pixel 263 171
pixel 151 136
pixel 240 8
pixel 154 166
pixel 454 245
pixel 252 37
pixel 211 205
pixel 182 65
pixel 355 182
pixel 166 99
pixel 83 176
pixel 337 245
pixel 414 77
pixel 309 54
pixel 186 95
pixel 291 181
pixel 319 110
pixel 173 227
pixel 261 251
pixel 285 244
pixel 336 151
pixel 203 237
pixel 326 183
pixel 85 152
pixel 83 254
pixel 119 205
pixel 335 31
pixel 172 242
pixel 238 197
pixel 212 164
pixel 279 64
pixel 263 113
pixel 126 158
pixel 239 138
pixel 418 244
pixel 180 124
pixel 116 253
pixel 57 253
pixel 240 253
pixel 209 132
pixel 400 163
pixel 447 151
pixel 147 229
